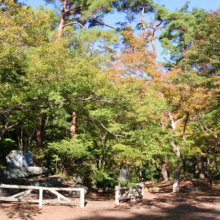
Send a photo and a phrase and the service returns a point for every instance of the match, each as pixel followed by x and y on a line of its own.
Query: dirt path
pixel 204 205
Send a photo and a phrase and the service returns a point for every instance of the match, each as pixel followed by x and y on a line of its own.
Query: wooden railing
pixel 54 190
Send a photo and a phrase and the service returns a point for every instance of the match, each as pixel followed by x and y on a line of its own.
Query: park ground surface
pixel 194 205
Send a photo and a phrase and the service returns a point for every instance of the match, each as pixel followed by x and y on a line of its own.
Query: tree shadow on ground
pixel 202 205
pixel 21 211
pixel 204 196
pixel 180 212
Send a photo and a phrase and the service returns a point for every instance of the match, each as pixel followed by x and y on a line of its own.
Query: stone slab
pixel 25 172
pixel 124 175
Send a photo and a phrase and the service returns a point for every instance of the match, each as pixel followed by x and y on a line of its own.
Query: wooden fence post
pixel 40 198
pixel 82 202
pixel 142 191
pixel 117 194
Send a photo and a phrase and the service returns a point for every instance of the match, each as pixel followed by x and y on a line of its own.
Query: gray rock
pixel 18 158
pixel 78 185
pixel 25 172
pixel 37 183
pixel 78 180
pixel 55 181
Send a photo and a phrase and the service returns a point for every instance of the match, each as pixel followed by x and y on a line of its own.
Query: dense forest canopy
pixel 91 102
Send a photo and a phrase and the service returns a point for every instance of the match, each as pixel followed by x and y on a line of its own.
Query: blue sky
pixel 172 5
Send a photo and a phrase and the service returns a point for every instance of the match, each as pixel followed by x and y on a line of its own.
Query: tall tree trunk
pixel 177 176
pixel 73 125
pixel 127 174
pixel 164 173
pixel 196 162
pixel 64 13
pixel 40 136
pixel 68 161
pixel 204 167
pixel 149 170
pixel 178 168
pixel 185 123
pixel 210 172
pixel 137 173
pixel 140 173
pixel 62 19
pixel 38 132
pixel 159 172
pixel 177 153
pixel 119 173
pixel 20 136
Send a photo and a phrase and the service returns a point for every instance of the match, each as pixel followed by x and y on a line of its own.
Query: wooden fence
pixel 53 190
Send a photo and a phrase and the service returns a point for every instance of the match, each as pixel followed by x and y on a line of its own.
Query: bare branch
pixel 79 6
pixel 17 123
pixel 6 128
pixel 152 33
pixel 74 23
pixel 106 128
pixel 204 131
pixel 9 110
pixel 102 23
pixel 208 129
pixel 178 120
pixel 161 123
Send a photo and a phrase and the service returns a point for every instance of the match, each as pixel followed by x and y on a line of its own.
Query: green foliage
pixel 124 184
pixel 105 178
pixel 72 148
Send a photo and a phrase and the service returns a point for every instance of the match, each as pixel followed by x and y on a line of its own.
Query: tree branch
pixel 204 131
pixel 16 107
pixel 106 128
pixel 6 128
pixel 102 23
pixel 73 23
pixel 79 6
pixel 152 40
pixel 142 20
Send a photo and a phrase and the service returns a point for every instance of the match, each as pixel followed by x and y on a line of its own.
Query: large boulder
pixel 18 158
pixel 25 172
pixel 79 182
pixel 86 189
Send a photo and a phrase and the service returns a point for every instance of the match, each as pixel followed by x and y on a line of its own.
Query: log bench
pixel 132 193
pixel 19 196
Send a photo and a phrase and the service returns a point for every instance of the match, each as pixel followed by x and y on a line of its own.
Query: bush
pixel 124 184
pixel 105 178
pixel 110 183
